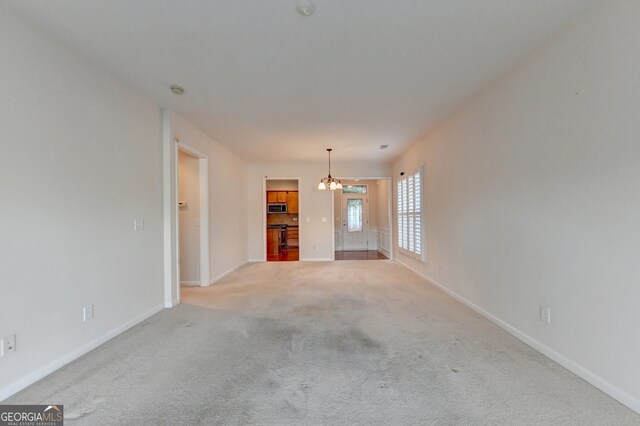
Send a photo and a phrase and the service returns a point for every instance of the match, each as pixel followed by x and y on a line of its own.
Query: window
pixel 354 189
pixel 410 215
pixel 354 215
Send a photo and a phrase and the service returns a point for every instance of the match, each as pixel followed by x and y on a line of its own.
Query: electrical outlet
pixel 87 313
pixel 138 224
pixel 545 314
pixel 7 344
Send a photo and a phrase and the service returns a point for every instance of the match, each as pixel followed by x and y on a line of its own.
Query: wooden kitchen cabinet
pixel 292 237
pixel 273 241
pixel 288 197
pixel 292 202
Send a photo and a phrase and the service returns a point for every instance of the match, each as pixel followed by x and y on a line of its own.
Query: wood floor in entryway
pixel 286 255
pixel 360 255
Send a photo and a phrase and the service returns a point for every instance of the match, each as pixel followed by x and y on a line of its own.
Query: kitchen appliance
pixel 282 237
pixel 277 208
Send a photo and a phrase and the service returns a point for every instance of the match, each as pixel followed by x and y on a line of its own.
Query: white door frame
pixel 170 146
pixel 390 212
pixel 203 183
pixel 366 206
pixel 264 212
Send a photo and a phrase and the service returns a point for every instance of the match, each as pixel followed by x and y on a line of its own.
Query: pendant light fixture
pixel 329 182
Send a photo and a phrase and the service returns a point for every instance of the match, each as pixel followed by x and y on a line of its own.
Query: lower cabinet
pixel 292 238
pixel 273 241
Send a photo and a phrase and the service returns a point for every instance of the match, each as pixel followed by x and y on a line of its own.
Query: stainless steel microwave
pixel 276 208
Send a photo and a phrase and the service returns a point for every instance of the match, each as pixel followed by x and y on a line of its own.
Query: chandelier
pixel 329 182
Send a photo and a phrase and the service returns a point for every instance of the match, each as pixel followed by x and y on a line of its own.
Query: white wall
pixel 80 158
pixel 384 231
pixel 382 205
pixel 533 198
pixel 282 185
pixel 316 237
pixel 227 198
pixel 189 218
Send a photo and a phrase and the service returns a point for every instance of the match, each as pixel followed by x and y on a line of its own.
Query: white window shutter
pixel 410 215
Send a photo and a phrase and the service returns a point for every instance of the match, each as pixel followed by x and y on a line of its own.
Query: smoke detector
pixel 305 7
pixel 177 90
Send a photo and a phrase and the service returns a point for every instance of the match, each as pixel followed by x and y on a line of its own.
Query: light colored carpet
pixel 353 342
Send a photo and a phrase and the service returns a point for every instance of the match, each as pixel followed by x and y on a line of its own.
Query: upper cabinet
pixel 288 197
pixel 292 202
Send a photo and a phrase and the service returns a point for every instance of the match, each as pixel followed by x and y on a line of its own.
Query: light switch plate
pixel 7 345
pixel 545 314
pixel 87 313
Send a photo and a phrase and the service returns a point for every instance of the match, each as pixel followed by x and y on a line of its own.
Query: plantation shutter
pixel 417 213
pixel 410 211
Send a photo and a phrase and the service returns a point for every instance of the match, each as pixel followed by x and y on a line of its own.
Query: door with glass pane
pixel 355 221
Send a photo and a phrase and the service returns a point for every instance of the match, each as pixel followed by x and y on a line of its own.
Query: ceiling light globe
pixel 305 7
pixel 333 186
pixel 322 186
pixel 177 90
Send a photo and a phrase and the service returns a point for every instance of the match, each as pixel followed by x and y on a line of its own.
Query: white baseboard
pixel 171 303
pixel 256 260
pixel 225 273
pixel 61 362
pixel 385 252
pixel 580 371
pixel 317 259
pixel 188 283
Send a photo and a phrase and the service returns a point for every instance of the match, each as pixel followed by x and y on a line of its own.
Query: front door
pixel 355 222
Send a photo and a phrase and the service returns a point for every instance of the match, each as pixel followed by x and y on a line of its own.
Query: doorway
pixel 362 219
pixel 355 218
pixel 188 219
pixel 192 217
pixel 281 213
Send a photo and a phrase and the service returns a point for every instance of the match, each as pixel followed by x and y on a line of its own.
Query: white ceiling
pixel 273 85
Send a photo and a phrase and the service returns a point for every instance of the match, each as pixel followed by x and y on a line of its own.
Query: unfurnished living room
pixel 320 212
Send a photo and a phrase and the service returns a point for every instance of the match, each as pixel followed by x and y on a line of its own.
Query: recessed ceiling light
pixel 177 90
pixel 384 146
pixel 305 7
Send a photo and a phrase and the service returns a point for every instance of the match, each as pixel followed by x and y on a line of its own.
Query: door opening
pixel 191 218
pixel 362 219
pixel 281 212
pixel 355 218
pixel 188 219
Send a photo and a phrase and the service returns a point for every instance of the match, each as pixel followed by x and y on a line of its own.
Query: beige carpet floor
pixel 341 343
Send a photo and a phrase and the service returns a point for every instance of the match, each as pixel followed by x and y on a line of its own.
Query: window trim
pixel 422 257
pixel 366 186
